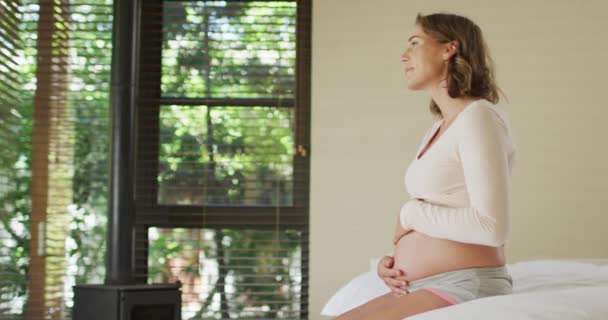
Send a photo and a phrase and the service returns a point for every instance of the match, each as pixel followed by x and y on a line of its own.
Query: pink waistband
pixel 441 295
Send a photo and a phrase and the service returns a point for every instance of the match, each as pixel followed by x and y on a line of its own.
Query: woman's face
pixel 423 60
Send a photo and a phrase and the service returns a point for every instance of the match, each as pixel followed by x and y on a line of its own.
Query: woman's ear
pixel 450 49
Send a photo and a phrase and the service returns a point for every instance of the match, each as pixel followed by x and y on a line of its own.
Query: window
pixel 15 172
pixel 54 133
pixel 223 155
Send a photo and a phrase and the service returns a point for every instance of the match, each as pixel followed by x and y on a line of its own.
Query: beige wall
pixel 552 62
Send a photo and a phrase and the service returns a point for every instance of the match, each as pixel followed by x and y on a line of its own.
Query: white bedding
pixel 582 303
pixel 543 289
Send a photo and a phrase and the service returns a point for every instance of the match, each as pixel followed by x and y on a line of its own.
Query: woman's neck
pixel 450 107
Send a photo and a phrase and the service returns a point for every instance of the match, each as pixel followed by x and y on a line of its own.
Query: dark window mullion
pixel 301 160
pixel 222 217
pixel 302 135
pixel 148 109
pixel 236 0
pixel 232 102
pixel 218 209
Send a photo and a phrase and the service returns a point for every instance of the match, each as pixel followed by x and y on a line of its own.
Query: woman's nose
pixel 405 56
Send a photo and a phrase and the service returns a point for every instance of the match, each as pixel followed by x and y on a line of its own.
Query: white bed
pixel 542 290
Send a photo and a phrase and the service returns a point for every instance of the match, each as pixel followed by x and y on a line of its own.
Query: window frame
pixel 178 215
pixel 148 213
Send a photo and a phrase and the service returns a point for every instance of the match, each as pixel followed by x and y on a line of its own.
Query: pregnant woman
pixel 450 237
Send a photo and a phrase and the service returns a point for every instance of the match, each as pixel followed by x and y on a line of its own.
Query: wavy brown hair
pixel 471 69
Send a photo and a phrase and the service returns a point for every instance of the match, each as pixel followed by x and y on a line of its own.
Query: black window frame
pixel 148 213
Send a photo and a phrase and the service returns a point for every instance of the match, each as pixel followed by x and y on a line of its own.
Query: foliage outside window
pixel 228 122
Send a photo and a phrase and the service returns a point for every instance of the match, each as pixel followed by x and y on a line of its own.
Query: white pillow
pixel 528 276
pixel 356 292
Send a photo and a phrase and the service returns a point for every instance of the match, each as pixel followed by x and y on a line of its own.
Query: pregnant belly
pixel 419 255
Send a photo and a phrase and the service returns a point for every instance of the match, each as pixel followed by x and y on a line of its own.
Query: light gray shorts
pixel 466 284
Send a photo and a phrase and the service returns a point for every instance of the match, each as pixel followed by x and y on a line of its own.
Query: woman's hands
pixel 393 278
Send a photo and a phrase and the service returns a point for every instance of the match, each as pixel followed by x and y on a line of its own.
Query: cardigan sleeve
pixel 484 148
